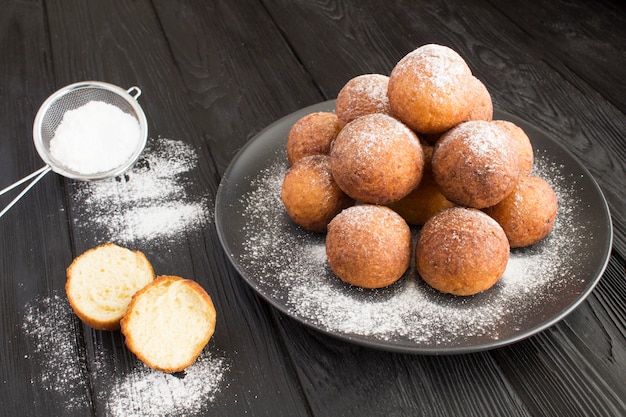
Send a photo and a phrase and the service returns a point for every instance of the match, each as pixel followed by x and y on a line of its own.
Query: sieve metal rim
pixel 53 98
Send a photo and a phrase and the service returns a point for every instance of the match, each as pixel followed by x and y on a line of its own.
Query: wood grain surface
pixel 213 75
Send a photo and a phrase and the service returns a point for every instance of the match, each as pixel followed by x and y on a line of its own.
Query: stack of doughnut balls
pixel 417 148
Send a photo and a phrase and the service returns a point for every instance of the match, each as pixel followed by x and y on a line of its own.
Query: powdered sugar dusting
pixel 480 139
pixel 363 94
pixel 151 202
pixel 146 392
pixel 435 67
pixel 468 220
pixel 290 266
pixel 373 139
pixel 52 328
pixel 551 256
pixel 368 215
pixel 370 86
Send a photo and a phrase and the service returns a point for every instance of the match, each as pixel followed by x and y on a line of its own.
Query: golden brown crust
pixel 423 202
pixel 476 164
pixel 310 194
pixel 361 95
pixel 368 246
pixel 426 199
pixel 197 348
pixel 95 322
pixel 377 159
pixel 482 106
pixel 461 251
pixel 430 89
pixel 522 141
pixel 312 134
pixel 527 215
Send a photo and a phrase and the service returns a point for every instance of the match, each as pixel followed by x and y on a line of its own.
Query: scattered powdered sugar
pixel 150 202
pixel 146 392
pixel 52 328
pixel 289 265
pixel 96 137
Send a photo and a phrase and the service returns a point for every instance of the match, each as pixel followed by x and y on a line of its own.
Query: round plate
pixel 287 265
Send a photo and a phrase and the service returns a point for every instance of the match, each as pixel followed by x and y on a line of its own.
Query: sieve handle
pixel 135 90
pixel 39 174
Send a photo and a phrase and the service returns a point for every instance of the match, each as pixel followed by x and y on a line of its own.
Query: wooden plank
pixel 124 43
pixel 35 245
pixel 238 70
pixel 348 380
pixel 588 39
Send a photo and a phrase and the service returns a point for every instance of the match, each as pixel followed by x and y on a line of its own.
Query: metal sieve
pixel 51 114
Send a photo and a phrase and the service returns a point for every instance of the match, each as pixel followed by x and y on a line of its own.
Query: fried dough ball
pixel 524 147
pixel 482 106
pixel 476 164
pixel 310 194
pixel 527 215
pixel 425 200
pixel 312 135
pixel 430 89
pixel 361 95
pixel 377 159
pixel 368 246
pixel 461 251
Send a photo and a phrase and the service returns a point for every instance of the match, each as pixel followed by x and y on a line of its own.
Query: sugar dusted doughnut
pixel 361 95
pixel 461 251
pixel 430 89
pixel 527 215
pixel 310 194
pixel 476 164
pixel 481 105
pixel 522 141
pixel 425 200
pixel 368 246
pixel 312 135
pixel 377 159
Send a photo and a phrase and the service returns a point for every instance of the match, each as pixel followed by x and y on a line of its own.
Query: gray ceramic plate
pixel 287 266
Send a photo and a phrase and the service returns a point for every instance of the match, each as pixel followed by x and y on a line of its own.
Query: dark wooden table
pixel 215 73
